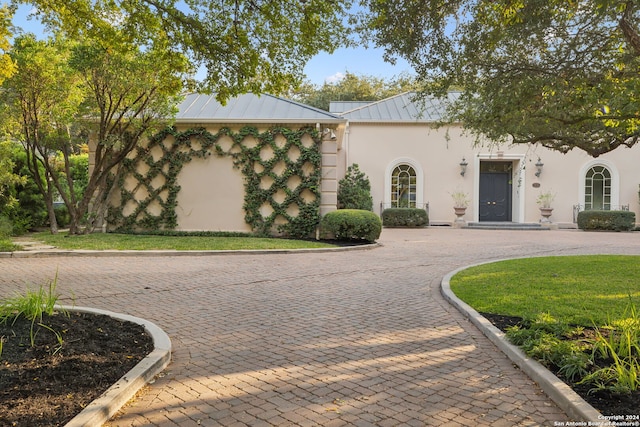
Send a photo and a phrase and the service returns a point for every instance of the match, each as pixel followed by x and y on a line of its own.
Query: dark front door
pixel 495 192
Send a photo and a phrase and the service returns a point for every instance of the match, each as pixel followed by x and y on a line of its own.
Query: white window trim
pixel 615 181
pixel 419 179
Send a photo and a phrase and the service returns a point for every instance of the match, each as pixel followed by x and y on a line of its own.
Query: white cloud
pixel 334 78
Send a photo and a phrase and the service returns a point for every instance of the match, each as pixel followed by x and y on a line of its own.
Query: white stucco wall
pixel 377 148
pixel 211 196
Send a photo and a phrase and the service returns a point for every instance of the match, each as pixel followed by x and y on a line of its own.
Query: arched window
pixel 597 188
pixel 403 187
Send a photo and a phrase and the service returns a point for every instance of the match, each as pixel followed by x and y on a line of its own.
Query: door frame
pixel 517 188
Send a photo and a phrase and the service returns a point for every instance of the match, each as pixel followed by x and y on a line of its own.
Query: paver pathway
pixel 358 338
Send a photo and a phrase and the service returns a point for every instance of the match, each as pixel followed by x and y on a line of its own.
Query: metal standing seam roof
pixel 250 108
pixel 402 108
pixel 337 107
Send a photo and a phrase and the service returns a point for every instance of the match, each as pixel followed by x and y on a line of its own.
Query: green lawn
pixel 577 289
pixel 101 241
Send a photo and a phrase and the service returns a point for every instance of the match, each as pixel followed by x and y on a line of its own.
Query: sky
pixel 361 61
pixel 322 68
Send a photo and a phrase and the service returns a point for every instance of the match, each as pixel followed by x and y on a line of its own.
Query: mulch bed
pixel 604 401
pixel 48 384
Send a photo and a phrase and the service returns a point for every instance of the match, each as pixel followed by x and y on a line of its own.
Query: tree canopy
pixel 65 94
pixel 243 45
pixel 7 67
pixel 563 74
pixel 353 88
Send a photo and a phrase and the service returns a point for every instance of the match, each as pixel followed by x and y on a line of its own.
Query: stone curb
pixel 563 395
pixel 154 253
pixel 104 407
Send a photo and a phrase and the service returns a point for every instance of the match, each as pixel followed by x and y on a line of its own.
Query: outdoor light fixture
pixel 463 166
pixel 539 166
pixel 329 133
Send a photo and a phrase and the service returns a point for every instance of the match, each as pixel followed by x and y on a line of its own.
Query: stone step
pixel 29 245
pixel 504 225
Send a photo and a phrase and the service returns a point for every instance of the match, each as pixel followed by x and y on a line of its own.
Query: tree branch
pixel 628 30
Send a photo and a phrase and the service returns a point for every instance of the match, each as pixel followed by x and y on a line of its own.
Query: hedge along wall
pixel 280 167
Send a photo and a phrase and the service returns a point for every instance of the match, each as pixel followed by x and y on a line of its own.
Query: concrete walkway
pixel 361 338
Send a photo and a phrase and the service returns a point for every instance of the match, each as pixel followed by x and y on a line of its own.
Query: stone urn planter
pixel 460 203
pixel 545 213
pixel 459 211
pixel 544 203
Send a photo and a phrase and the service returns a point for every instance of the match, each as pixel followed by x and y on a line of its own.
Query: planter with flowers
pixel 460 205
pixel 544 203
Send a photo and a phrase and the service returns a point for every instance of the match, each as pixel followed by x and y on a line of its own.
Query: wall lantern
pixel 329 134
pixel 539 166
pixel 463 166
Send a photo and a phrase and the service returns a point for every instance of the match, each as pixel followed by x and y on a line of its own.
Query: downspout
pixel 345 145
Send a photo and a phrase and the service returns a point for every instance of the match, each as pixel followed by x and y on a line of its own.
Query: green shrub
pixel 6 227
pixel 354 190
pixel 7 246
pixel 607 220
pixel 547 340
pixel 62 215
pixel 351 224
pixel 30 211
pixel 405 217
pixel 6 230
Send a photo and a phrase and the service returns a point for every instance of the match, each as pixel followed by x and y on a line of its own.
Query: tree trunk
pixel 53 222
pixel 92 206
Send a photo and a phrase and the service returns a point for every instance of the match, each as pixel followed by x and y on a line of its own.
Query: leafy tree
pixel 39 103
pixel 64 94
pixel 8 178
pixel 131 93
pixel 7 67
pixel 354 190
pixel 243 45
pixel 563 74
pixel 353 88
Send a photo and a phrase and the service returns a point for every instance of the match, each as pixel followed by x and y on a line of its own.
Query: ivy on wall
pixel 281 169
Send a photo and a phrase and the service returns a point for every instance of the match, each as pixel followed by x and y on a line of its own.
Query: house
pixel 267 164
pixel 257 163
pixel 411 162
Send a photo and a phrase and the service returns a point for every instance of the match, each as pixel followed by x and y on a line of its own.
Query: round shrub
pixel 405 217
pixel 351 224
pixel 607 220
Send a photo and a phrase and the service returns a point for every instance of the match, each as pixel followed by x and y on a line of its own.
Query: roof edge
pixel 338 120
pixel 299 104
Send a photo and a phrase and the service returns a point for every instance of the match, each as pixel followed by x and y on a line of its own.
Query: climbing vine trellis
pixel 283 164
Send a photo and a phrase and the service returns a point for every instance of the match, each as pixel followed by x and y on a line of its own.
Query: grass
pixel 551 294
pixel 32 305
pixel 580 290
pixel 7 246
pixel 102 241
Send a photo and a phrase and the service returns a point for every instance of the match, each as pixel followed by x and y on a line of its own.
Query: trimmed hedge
pixel 607 220
pixel 405 217
pixel 350 224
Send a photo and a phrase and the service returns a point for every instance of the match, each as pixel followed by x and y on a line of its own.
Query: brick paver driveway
pixel 323 339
